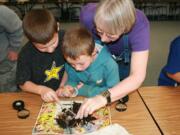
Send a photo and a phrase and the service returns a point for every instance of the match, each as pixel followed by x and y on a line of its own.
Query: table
pixel 9 123
pixel 136 119
pixel 164 105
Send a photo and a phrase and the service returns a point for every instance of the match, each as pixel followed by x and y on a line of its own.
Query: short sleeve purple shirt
pixel 138 37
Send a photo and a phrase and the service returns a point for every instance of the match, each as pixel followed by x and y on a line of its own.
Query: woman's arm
pixel 135 79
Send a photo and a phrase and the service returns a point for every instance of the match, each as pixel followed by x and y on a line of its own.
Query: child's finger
pixel 79 85
pixel 59 93
pixel 51 96
pixel 67 94
pixel 54 97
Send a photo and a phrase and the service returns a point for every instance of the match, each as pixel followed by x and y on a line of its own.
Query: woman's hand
pixel 90 105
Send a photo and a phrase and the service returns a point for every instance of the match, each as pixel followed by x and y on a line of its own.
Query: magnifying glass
pixel 20 107
pixel 121 104
pixel 121 107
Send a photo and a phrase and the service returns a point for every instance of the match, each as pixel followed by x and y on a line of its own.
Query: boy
pixel 40 64
pixel 90 69
pixel 170 73
pixel 11 34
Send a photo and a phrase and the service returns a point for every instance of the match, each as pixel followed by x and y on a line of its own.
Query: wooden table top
pixel 10 124
pixel 135 119
pixel 164 104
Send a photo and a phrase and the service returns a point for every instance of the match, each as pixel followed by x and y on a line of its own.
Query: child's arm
pixel 67 84
pixel 64 79
pixel 175 76
pixel 63 90
pixel 47 94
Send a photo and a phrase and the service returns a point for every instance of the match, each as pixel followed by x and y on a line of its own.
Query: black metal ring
pixel 18 105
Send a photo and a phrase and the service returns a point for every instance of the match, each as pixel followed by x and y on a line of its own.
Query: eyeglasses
pixel 109 36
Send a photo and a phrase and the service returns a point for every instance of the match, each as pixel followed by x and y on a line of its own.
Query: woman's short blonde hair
pixel 115 16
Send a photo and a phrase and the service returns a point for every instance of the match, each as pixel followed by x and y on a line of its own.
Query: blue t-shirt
pixel 172 66
pixel 101 75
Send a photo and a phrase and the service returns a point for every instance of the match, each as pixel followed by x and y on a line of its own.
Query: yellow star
pixel 53 73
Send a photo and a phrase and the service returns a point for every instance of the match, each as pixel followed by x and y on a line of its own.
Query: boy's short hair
pixel 117 15
pixel 39 26
pixel 77 41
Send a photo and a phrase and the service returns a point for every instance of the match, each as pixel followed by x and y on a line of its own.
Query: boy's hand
pixel 66 91
pixel 59 91
pixel 79 85
pixel 48 94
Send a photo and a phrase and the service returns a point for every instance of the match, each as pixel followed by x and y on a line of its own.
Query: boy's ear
pixel 58 26
pixel 94 52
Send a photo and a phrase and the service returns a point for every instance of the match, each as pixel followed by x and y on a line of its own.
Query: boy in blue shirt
pixel 90 68
pixel 170 74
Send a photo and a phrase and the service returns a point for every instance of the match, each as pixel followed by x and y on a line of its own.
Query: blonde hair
pixel 115 16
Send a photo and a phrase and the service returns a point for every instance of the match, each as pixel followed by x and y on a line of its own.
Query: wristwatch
pixel 107 95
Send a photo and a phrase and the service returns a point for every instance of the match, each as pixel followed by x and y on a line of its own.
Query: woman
pixel 125 31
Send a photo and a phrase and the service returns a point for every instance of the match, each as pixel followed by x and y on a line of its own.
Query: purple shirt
pixel 138 37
